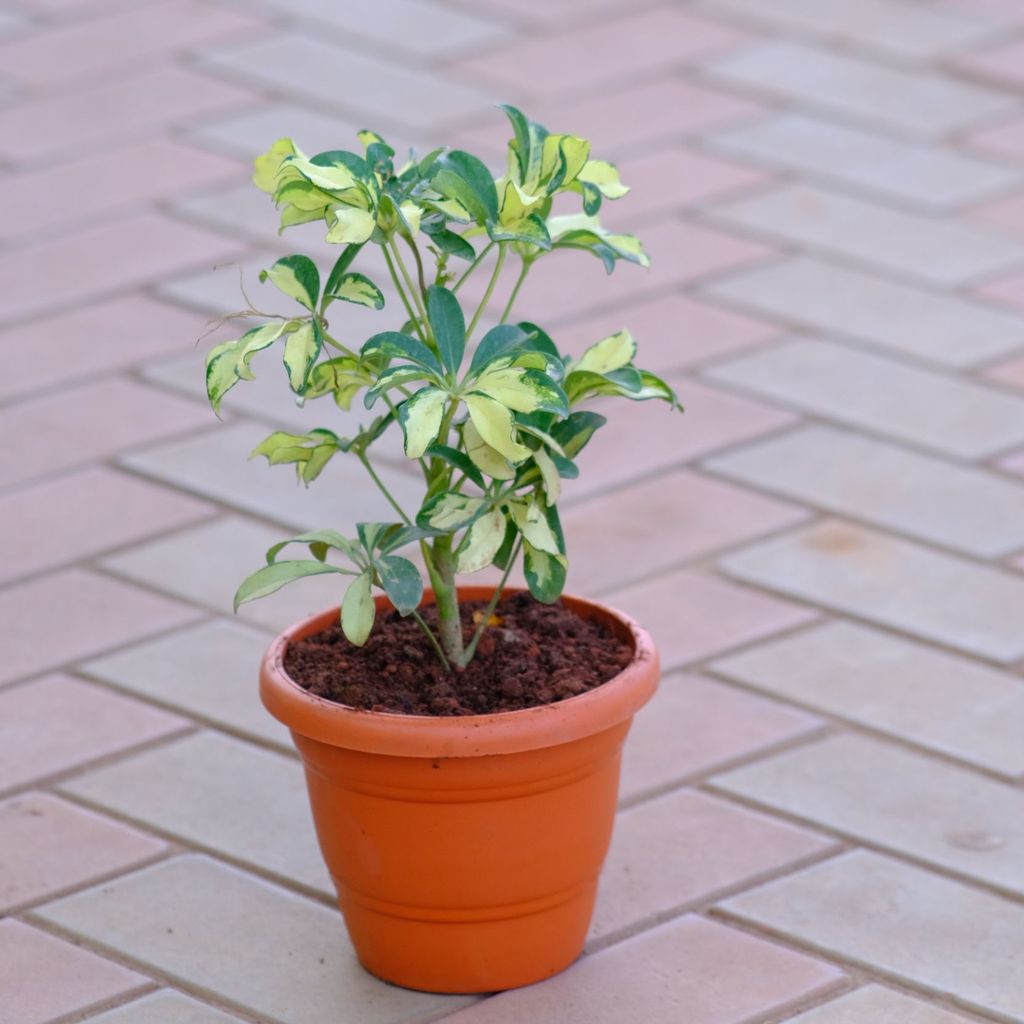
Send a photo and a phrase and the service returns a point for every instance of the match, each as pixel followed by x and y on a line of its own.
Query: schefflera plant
pixel 494 423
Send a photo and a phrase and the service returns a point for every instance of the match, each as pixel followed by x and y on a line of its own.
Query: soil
pixel 531 654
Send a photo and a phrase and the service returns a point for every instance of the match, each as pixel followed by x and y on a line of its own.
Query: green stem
pixel 413 290
pixel 487 294
pixel 469 270
pixel 419 264
pixel 446 598
pixel 524 270
pixel 380 484
pixel 401 291
pixel 433 640
pixel 467 656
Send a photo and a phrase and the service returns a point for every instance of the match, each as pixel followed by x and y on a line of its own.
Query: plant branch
pixel 419 264
pixel 417 297
pixel 401 291
pixel 470 650
pixel 380 484
pixel 433 641
pixel 523 271
pixel 499 263
pixel 469 270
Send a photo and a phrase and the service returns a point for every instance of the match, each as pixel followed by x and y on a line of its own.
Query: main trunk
pixel 447 600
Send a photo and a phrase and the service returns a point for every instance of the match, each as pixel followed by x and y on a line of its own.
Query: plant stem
pixel 419 264
pixel 467 656
pixel 447 600
pixel 401 291
pixel 380 484
pixel 487 294
pixel 413 290
pixel 523 271
pixel 469 270
pixel 433 640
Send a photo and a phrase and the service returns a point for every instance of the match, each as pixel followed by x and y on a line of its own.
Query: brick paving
pixel 821 811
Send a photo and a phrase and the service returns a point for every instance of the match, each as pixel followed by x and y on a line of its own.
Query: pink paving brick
pixel 545 12
pixel 96 115
pixel 39 830
pixel 671 179
pixel 105 260
pixel 1010 373
pixel 619 120
pixel 643 438
pixel 691 970
pixel 56 723
pixel 605 51
pixel 705 514
pixel 59 618
pixel 693 616
pixel 1005 289
pixel 111 181
pixel 576 283
pixel 117 41
pixel 68 427
pixel 1003 63
pixel 43 977
pixel 693 726
pixel 692 847
pixel 93 339
pixel 1007 214
pixel 673 332
pixel 111 509
pixel 1003 140
pixel 1005 12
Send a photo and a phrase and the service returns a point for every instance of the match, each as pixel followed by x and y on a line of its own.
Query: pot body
pixel 465 851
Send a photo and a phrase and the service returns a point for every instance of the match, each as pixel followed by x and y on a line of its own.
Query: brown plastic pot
pixel 465 850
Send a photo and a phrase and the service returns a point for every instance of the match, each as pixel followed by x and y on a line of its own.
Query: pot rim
pixel 504 732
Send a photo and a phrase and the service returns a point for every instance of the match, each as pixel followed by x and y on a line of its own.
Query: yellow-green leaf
pixel 297 277
pixel 605 176
pixel 350 224
pixel 611 353
pixel 533 525
pixel 549 474
pixel 300 353
pixel 450 510
pixel 420 418
pixel 521 389
pixel 266 167
pixel 358 610
pixel 357 288
pixel 483 456
pixel 333 177
pixel 481 543
pixel 496 426
pixel 411 215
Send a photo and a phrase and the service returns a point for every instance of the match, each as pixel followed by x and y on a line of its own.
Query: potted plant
pixel 461 743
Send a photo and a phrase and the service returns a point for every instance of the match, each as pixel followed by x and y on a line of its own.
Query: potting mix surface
pixel 529 654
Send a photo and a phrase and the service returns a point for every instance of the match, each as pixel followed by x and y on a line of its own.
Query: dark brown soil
pixel 534 654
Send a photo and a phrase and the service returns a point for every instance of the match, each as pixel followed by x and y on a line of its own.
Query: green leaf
pixel 464 178
pixel 449 511
pixel 273 577
pixel 481 542
pixel 545 573
pixel 300 353
pixel 460 460
pixel 504 554
pixel 297 277
pixel 495 425
pixel 394 345
pixel 449 242
pixel 341 264
pixel 357 288
pixel 358 610
pixel 319 542
pixel 420 418
pixel 448 325
pixel 576 430
pixel 499 341
pixel 401 581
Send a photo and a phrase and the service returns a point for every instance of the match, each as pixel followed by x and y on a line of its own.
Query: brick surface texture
pixel 821 812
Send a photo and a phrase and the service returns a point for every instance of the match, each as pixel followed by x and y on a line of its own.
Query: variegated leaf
pixel 496 426
pixel 420 417
pixel 530 517
pixel 481 542
pixel 522 390
pixel 358 610
pixel 357 288
pixel 350 224
pixel 450 510
pixel 297 277
pixel 545 573
pixel 300 353
pixel 273 577
pixel 611 353
pixel 483 456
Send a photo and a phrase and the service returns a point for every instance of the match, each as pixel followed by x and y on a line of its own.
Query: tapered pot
pixel 465 850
